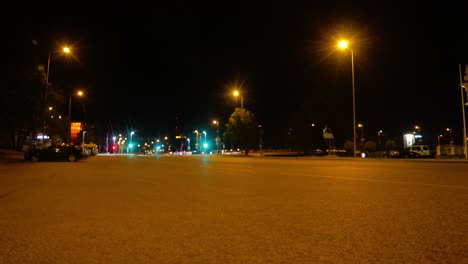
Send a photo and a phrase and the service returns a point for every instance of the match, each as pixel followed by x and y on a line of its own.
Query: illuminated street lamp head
pixel 236 93
pixel 131 133
pixel 80 93
pixel 215 122
pixel 343 44
pixel 66 50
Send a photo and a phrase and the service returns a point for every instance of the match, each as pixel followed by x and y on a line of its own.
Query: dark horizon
pixel 143 67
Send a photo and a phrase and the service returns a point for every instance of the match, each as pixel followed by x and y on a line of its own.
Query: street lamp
pixel 65 50
pixel 216 122
pixel 236 94
pixel 361 137
pixel 205 145
pixel 449 130
pixel 197 143
pixel 80 94
pixel 343 45
pixel 379 134
pixel 130 144
pixel 438 139
pixel 463 87
pixel 261 138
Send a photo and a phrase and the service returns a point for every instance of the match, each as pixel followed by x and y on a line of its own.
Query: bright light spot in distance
pixel 343 44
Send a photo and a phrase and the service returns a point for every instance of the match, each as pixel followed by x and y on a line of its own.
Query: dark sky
pixel 144 65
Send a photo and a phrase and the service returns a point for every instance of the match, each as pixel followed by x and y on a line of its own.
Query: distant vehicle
pixel 320 152
pixel 392 153
pixel 62 152
pixel 418 151
pixel 90 149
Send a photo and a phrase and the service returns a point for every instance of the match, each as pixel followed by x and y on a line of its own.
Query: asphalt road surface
pixel 208 209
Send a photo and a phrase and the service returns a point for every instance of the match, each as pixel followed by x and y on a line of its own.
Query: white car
pixel 419 151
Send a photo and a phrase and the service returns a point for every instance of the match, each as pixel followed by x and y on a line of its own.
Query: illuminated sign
pixel 408 140
pixel 75 129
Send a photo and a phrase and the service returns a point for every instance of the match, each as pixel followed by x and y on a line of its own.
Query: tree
pixel 349 146
pixel 242 130
pixel 390 144
pixel 370 146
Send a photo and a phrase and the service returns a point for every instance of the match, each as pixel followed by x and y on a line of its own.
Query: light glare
pixel 343 44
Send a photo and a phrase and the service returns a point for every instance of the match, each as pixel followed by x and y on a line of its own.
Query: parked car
pixel 90 149
pixel 61 152
pixel 418 151
pixel 392 153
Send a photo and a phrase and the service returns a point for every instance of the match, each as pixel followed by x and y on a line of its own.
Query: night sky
pixel 144 65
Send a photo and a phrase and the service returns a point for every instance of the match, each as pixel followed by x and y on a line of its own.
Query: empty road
pixel 216 209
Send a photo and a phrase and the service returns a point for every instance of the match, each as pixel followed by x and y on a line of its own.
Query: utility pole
pixel 462 86
pixel 44 127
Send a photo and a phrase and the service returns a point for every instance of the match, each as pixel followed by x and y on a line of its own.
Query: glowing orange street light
pixel 236 94
pixel 67 51
pixel 218 139
pixel 344 45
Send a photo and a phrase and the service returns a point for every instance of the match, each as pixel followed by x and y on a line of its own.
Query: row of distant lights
pixel 52 116
pixel 123 140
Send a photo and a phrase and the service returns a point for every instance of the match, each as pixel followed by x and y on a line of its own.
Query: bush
pixel 370 146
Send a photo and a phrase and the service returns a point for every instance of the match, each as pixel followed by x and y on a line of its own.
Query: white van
pixel 90 149
pixel 419 151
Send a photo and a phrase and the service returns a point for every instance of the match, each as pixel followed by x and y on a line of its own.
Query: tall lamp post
pixel 131 141
pixel 197 143
pixel 216 122
pixel 236 94
pixel 205 144
pixel 379 135
pixel 260 146
pixel 65 50
pixel 463 87
pixel 343 44
pixel 449 130
pixel 78 93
